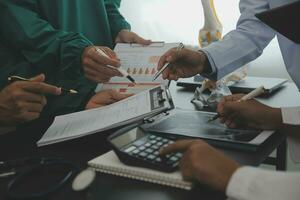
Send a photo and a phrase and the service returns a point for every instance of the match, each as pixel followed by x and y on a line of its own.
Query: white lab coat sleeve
pixel 249 183
pixel 243 44
pixel 291 116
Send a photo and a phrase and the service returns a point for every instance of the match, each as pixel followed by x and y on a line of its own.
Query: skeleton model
pixel 212 30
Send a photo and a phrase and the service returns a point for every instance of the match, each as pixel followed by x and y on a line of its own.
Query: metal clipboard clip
pixel 166 97
pixel 153 44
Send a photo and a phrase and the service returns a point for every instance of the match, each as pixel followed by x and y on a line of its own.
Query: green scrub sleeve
pixel 116 20
pixel 22 28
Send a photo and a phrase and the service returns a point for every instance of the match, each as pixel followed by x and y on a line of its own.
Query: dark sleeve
pixel 116 20
pixel 46 48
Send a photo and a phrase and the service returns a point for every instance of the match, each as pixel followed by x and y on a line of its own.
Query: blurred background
pixel 180 21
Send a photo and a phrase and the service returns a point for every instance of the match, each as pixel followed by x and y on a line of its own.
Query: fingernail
pixel 58 91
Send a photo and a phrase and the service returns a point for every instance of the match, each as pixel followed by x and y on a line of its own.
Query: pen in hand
pixel 18 78
pixel 180 46
pixel 120 70
pixel 258 91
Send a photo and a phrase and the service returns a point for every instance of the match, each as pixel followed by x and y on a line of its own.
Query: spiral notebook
pixel 109 163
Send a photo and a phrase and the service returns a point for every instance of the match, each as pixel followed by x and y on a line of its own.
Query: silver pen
pixel 122 71
pixel 180 46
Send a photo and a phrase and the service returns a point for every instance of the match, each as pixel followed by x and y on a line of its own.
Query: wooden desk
pixel 22 143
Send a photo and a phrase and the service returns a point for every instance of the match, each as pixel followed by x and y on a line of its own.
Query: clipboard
pixel 153 44
pixel 284 20
pixel 139 107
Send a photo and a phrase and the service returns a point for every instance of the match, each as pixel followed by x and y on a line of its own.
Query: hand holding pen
pixel 244 111
pixel 24 100
pixel 120 70
pixel 95 64
pixel 181 62
pixel 258 91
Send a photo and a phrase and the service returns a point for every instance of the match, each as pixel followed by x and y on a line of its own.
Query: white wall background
pixel 180 20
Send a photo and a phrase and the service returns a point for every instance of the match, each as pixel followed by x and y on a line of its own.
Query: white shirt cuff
pixel 240 183
pixel 249 183
pixel 294 148
pixel 291 115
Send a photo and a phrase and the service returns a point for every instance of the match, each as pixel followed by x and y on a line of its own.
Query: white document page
pixel 140 62
pixel 70 126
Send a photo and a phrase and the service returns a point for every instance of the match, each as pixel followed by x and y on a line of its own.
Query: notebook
pixel 109 163
pixel 283 19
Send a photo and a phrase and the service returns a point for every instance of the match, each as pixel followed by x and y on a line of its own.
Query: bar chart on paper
pixel 140 62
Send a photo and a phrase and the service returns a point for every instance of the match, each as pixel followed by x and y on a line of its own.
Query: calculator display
pixel 128 137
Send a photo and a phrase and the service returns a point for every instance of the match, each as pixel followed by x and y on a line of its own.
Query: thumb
pixel 119 96
pixel 141 40
pixel 38 78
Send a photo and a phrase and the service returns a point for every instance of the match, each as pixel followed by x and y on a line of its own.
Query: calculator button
pixel 142 148
pixel 159 143
pixel 147 144
pixel 158 138
pixel 158 159
pixel 150 157
pixel 136 151
pixel 165 140
pixel 174 158
pixel 155 147
pixel 156 153
pixel 149 150
pixel 178 155
pixel 143 154
pixel 152 136
pixel 170 142
pixel 153 141
pixel 130 149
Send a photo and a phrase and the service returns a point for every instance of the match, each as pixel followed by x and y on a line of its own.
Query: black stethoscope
pixel 30 166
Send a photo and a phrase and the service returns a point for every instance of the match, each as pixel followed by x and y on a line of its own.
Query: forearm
pixel 116 20
pixel 48 49
pixel 243 44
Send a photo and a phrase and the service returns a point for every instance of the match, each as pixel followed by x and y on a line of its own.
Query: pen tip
pixel 73 92
pixel 131 79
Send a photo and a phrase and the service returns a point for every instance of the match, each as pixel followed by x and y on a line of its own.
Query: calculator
pixel 136 147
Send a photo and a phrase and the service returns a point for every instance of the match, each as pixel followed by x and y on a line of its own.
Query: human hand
pixel 95 65
pixel 104 98
pixel 203 163
pixel 182 64
pixel 248 114
pixel 126 36
pixel 23 101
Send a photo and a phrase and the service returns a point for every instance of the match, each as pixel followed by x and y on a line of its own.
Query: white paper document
pixel 134 108
pixel 140 62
